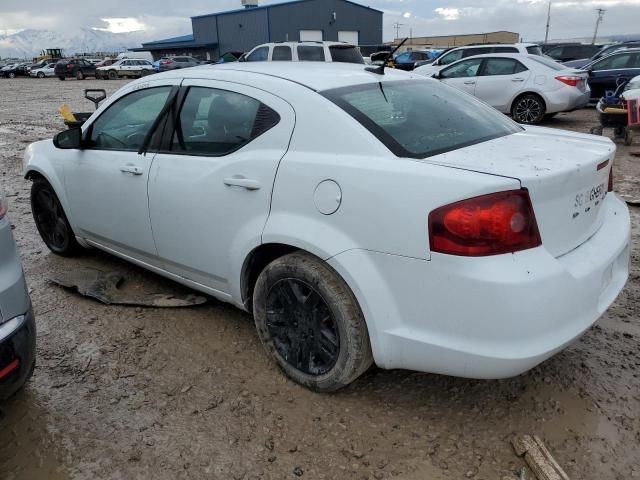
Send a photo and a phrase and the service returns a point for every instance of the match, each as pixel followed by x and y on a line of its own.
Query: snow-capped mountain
pixel 29 43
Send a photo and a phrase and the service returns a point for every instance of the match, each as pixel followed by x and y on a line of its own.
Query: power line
pixel 546 35
pixel 397 26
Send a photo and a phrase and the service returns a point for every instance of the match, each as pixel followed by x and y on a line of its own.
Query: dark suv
pixel 173 63
pixel 74 68
pixel 566 53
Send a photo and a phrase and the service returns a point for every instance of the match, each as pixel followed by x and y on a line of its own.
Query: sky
pixel 158 19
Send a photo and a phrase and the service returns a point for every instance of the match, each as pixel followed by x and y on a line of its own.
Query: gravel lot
pixel 124 393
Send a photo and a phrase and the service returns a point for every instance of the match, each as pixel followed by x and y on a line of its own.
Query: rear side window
pixel 419 119
pixel 281 54
pixel 470 52
pixel 502 66
pixel 616 61
pixel 126 122
pixel 345 54
pixel 217 122
pixel 310 54
pixel 259 55
pixel 534 50
pixel 504 50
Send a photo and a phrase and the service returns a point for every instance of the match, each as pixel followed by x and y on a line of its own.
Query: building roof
pixel 182 38
pixel 281 4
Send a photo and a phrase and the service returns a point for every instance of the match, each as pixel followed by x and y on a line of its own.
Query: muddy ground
pixel 127 393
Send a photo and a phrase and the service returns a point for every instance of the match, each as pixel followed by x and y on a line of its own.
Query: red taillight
pixel 492 224
pixel 70 65
pixel 572 81
pixel 166 62
pixel 610 187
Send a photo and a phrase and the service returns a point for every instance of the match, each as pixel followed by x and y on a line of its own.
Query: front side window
pixel 466 68
pixel 421 118
pixel 450 57
pixel 259 55
pixel 534 50
pixel 404 57
pixel 281 53
pixel 307 53
pixel 218 122
pixel 472 52
pixel 502 66
pixel 124 125
pixel 613 62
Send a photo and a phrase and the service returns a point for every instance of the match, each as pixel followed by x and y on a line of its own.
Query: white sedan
pixel 361 217
pixel 46 71
pixel 529 87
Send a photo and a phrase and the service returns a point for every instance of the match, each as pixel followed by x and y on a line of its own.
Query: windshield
pixel 421 118
pixel 534 50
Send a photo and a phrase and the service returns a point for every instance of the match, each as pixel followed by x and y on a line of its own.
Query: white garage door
pixel 349 37
pixel 310 35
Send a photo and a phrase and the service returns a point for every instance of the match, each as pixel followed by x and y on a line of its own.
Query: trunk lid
pixel 565 173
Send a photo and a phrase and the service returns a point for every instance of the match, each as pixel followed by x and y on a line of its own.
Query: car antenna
pixel 379 70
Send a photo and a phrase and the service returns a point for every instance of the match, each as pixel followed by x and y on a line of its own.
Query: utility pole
pixel 546 35
pixel 598 22
pixel 397 26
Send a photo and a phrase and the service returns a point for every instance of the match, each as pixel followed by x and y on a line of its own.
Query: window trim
pixel 385 138
pixel 468 59
pixel 153 146
pixel 170 124
pixel 483 69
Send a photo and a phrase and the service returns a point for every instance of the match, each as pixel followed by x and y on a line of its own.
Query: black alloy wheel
pixel 302 327
pixel 51 220
pixel 528 109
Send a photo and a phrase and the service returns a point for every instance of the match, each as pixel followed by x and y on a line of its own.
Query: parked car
pixel 135 56
pixel 603 52
pixel 106 62
pixel 568 52
pixel 125 68
pixel 528 87
pixel 16 70
pixel 177 62
pixel 339 248
pixel 230 57
pixel 409 60
pixel 459 53
pixel 74 68
pixel 609 72
pixel 305 52
pixel 17 323
pixel 45 71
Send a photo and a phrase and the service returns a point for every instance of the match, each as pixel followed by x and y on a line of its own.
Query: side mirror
pixel 69 139
pixel 436 76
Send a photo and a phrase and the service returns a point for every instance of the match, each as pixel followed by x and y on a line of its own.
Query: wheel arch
pixel 529 92
pixel 33 172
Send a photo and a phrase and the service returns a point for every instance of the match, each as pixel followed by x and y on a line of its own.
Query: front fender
pixel 40 159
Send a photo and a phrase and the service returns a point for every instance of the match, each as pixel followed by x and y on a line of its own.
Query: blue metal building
pixel 241 30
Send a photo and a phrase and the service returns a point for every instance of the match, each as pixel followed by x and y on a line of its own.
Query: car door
pixel 500 80
pixel 106 182
pixel 606 73
pixel 215 177
pixel 462 75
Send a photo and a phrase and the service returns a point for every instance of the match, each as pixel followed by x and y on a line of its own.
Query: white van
pixel 135 55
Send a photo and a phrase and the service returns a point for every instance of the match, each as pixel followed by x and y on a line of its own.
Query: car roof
pixel 484 45
pixel 316 76
pixel 305 42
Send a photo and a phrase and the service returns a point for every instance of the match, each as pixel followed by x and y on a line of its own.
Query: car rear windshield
pixel 421 118
pixel 534 50
pixel 345 54
pixel 548 62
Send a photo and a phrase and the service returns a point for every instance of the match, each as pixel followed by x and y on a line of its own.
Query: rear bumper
pixel 17 352
pixel 490 317
pixel 567 99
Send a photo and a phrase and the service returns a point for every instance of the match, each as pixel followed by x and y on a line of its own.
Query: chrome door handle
pixel 470 82
pixel 131 169
pixel 517 79
pixel 247 183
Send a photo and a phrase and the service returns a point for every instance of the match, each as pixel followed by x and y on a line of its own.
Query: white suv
pixel 305 52
pixel 472 50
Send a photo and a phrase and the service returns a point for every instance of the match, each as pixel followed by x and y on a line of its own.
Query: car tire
pixel 62 78
pixel 310 323
pixel 528 109
pixel 51 221
pixel 79 75
pixel 549 116
pixel 113 75
pixel 628 137
pixel 144 73
pixel 40 75
pixel 12 75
